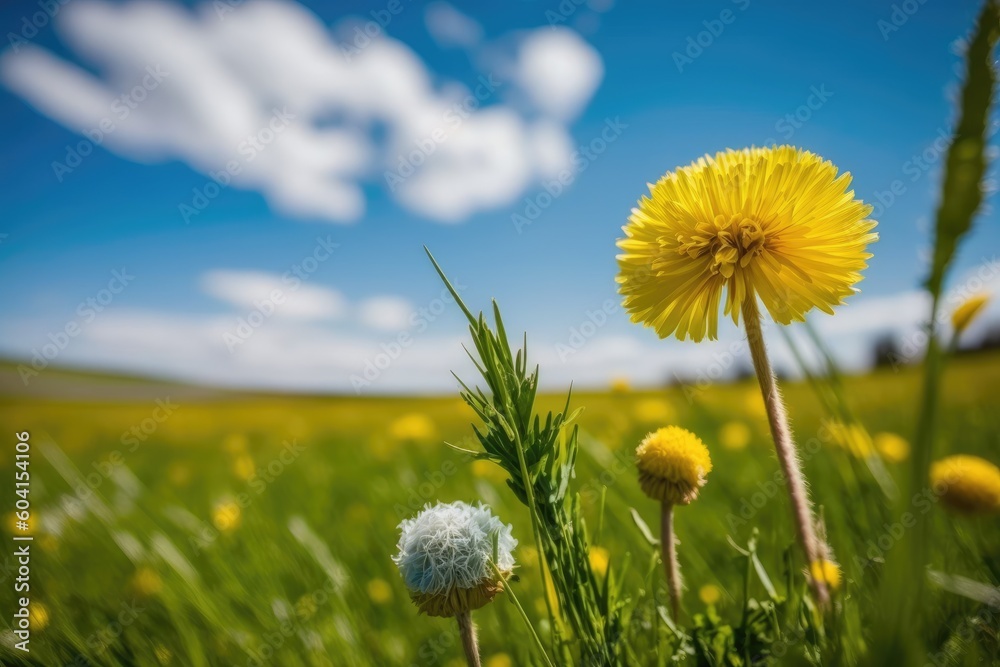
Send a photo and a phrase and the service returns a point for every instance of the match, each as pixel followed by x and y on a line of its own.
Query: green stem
pixel 469 642
pixel 668 542
pixel 524 616
pixel 784 445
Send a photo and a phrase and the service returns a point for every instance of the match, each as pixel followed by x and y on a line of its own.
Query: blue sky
pixel 878 99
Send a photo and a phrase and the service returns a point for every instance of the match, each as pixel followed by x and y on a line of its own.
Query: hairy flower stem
pixel 784 445
pixel 469 641
pixel 668 543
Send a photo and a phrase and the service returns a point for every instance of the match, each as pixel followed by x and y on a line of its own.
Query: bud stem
pixel 469 642
pixel 668 543
pixel 784 445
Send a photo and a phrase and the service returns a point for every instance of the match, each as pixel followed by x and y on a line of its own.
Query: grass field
pixel 259 530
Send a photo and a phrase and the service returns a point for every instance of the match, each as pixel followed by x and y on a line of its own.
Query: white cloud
pixel 273 296
pixel 559 71
pixel 451 28
pixel 264 88
pixel 385 313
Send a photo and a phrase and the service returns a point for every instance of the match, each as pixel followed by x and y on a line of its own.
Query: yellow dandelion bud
pixel 734 435
pixel 967 311
pixel 756 223
pixel 710 594
pixel 892 447
pixel 226 516
pixel 826 571
pixel 673 463
pixel 379 591
pixel 38 615
pixel 599 559
pixel 967 483
pixel 146 582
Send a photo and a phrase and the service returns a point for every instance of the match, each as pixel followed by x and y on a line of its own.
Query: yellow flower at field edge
pixel 235 443
pixel 776 223
pixel 379 591
pixel 599 559
pixel 852 437
pixel 826 571
pixel 968 484
pixel 244 467
pixel 967 311
pixel 620 385
pixel 893 448
pixel 653 410
pixel 673 463
pixel 709 594
pixel 414 426
pixel 734 435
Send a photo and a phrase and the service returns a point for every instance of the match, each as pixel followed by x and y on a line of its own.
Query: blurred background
pixel 234 358
pixel 264 175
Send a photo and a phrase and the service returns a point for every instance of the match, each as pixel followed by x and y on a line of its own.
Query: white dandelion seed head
pixel 450 545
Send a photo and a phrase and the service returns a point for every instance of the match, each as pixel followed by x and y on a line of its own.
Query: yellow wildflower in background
pixel 38 614
pixel 709 594
pixel 146 582
pixel 967 483
pixel 489 470
pixel 734 435
pixel 826 571
pixel 892 447
pixel 379 591
pixel 414 426
pixel 235 443
pixel 499 660
pixel 226 516
pixel 653 410
pixel 673 463
pixel 599 559
pixel 244 467
pixel 852 437
pixel 967 311
pixel 620 385
pixel 776 223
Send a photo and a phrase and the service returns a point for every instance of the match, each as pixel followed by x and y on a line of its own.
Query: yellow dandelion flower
pixel 244 467
pixel 673 463
pixel 776 223
pixel 38 615
pixel 653 410
pixel 379 591
pixel 599 559
pixel 826 571
pixel 734 435
pixel 499 660
pixel 755 405
pixel 967 311
pixel 226 516
pixel 710 594
pixel 967 483
pixel 235 443
pixel 414 426
pixel 146 582
pixel 488 470
pixel 892 447
pixel 620 385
